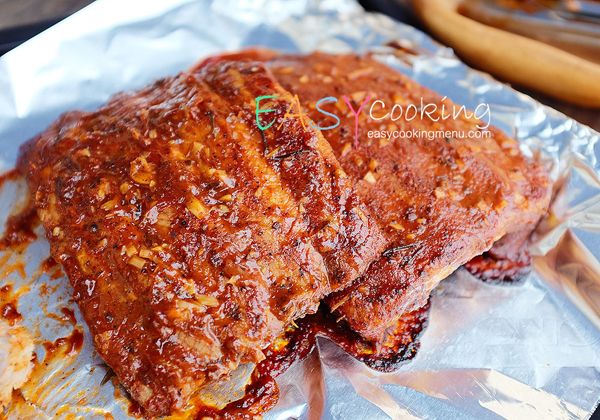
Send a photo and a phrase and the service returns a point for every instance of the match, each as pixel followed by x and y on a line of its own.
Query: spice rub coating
pixel 439 202
pixel 190 239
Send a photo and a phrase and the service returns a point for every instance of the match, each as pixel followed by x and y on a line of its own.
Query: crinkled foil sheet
pixel 530 351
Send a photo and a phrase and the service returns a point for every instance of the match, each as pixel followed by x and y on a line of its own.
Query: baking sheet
pixel 519 352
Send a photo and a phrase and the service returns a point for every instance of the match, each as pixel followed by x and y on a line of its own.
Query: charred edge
pixel 212 122
pixel 297 152
pixel 390 252
pixel 264 141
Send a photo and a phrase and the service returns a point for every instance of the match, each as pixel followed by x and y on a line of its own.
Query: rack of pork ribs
pixel 195 241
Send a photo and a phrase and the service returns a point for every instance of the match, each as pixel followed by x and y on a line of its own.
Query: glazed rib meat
pixel 439 202
pixel 190 239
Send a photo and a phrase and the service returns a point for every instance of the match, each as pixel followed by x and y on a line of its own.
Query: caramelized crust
pixel 439 202
pixel 192 241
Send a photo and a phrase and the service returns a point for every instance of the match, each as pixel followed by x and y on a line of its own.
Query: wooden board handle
pixel 512 57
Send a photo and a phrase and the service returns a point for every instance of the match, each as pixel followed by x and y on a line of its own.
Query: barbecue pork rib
pixel 439 202
pixel 190 239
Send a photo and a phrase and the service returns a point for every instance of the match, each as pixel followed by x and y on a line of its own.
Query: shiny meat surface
pixel 192 241
pixel 439 202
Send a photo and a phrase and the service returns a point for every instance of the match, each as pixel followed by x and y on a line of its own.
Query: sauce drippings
pixel 69 346
pixel 10 314
pixel 58 355
pixel 15 267
pixel 8 305
pixel 400 344
pixel 11 175
pixel 56 274
pixel 19 228
pixel 48 264
pixel 262 393
pixel 52 268
pixel 68 316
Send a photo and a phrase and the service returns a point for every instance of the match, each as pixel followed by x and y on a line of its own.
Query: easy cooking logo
pixel 429 110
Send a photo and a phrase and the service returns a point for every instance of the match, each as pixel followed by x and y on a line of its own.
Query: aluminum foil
pixel 518 352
